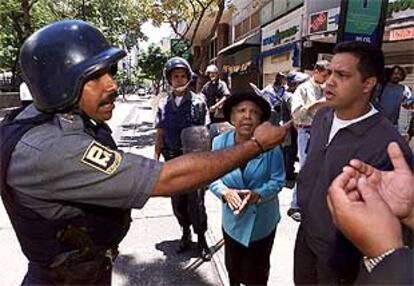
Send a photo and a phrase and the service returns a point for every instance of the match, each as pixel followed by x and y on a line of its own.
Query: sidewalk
pixel 281 272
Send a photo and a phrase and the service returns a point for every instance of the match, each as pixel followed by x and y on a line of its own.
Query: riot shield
pixel 218 128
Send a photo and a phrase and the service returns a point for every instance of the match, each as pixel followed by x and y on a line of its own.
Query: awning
pixel 249 41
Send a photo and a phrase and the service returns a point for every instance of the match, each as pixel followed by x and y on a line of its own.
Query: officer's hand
pixel 232 198
pixel 367 222
pixel 269 135
pixel 213 109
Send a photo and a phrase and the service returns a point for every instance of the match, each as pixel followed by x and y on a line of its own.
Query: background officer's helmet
pixel 212 69
pixel 57 60
pixel 175 63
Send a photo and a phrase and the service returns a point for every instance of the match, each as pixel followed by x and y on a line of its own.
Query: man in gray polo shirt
pixel 305 101
pixel 67 189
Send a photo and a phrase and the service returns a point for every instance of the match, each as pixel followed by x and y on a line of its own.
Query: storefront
pixel 399 39
pixel 280 47
pixel 320 31
pixel 240 62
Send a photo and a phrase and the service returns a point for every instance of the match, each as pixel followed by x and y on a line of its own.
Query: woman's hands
pixel 237 200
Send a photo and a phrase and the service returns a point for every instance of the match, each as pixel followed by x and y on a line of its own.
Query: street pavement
pixel 147 254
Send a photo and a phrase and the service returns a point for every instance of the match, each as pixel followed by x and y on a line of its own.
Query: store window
pixel 238 31
pixel 255 20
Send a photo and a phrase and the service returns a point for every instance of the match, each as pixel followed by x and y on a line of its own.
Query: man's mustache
pixel 109 99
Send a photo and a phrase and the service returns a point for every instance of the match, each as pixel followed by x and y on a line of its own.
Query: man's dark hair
pixel 402 70
pixel 322 65
pixel 371 59
pixel 279 78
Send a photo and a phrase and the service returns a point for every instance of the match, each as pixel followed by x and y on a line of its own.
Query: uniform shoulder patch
pixel 101 158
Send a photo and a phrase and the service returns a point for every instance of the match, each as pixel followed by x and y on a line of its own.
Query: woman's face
pixel 245 117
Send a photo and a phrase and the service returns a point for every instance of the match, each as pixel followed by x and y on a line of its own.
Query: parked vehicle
pixel 141 91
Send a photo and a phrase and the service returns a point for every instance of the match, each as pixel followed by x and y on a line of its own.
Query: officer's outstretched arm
pixel 190 171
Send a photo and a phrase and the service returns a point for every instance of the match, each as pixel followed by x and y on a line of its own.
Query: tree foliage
pixel 185 18
pixel 151 62
pixel 119 20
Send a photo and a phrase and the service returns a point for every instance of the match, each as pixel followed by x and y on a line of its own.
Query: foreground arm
pixel 193 170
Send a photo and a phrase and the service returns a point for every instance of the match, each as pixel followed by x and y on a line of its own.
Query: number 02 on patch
pixel 102 158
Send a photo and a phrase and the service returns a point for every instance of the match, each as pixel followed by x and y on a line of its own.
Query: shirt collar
pixel 360 127
pixel 186 96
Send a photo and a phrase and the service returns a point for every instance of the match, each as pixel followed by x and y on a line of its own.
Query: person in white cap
pixel 216 92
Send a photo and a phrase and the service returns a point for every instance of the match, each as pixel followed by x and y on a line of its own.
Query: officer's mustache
pixel 109 99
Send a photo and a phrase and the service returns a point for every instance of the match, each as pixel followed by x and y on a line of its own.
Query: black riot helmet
pixel 176 63
pixel 57 60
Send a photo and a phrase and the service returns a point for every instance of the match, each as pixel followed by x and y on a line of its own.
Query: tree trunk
pixel 27 19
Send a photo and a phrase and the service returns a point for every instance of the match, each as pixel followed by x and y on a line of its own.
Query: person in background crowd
pixel 181 109
pixel 215 92
pixel 25 95
pixel 290 151
pixel 277 97
pixel 390 96
pixel 193 84
pixel 406 118
pixel 306 100
pixel 249 195
pixel 367 205
pixel 350 127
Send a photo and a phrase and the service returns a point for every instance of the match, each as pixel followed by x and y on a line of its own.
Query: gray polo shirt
pixel 56 165
pixel 214 91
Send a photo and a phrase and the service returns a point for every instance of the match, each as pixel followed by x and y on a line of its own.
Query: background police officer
pixel 216 92
pixel 182 109
pixel 66 188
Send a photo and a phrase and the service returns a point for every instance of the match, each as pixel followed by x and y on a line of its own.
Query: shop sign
pixel 400 9
pixel 362 20
pixel 236 68
pixel 402 34
pixel 324 21
pixel 282 31
pixel 279 36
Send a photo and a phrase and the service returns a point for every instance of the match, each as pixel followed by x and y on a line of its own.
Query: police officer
pixel 215 92
pixel 182 108
pixel 66 188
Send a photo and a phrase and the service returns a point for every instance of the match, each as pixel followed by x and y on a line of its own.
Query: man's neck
pixel 314 81
pixel 179 94
pixel 240 138
pixel 353 113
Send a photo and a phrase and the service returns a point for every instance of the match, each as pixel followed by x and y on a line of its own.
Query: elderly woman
pixel 249 194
